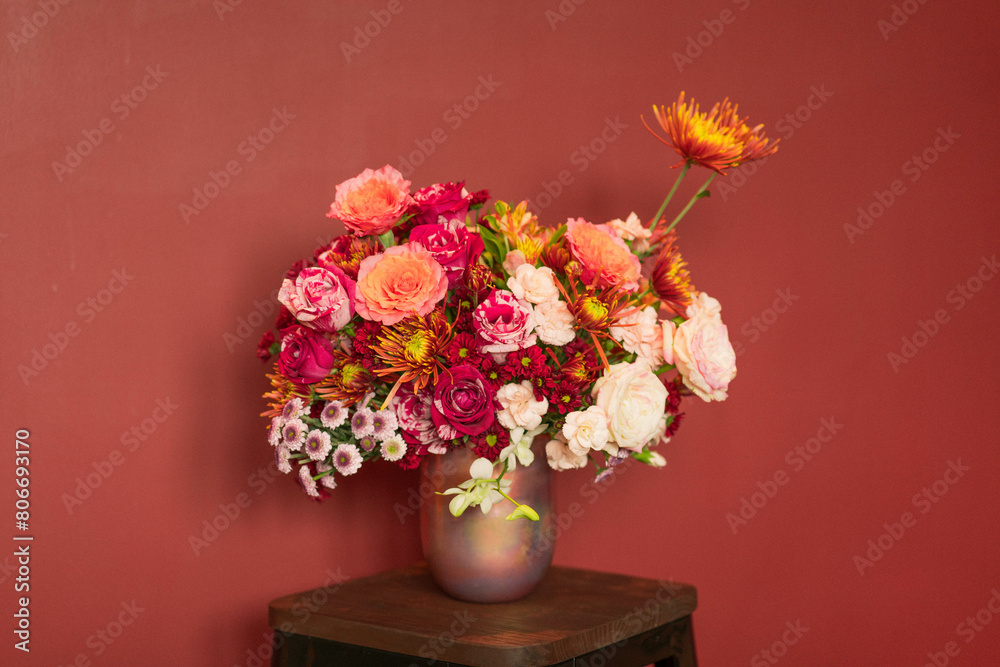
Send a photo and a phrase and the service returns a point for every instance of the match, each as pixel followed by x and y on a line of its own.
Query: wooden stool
pixel 400 618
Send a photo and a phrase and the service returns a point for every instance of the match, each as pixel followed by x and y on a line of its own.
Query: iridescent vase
pixel 480 557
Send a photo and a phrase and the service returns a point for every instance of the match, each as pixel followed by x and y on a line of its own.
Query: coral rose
pixel 403 281
pixel 603 255
pixel 372 202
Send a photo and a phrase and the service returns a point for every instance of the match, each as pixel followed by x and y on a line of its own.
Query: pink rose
pixel 403 281
pixel 503 323
pixel 603 255
pixel 413 412
pixel 463 401
pixel 451 245
pixel 448 200
pixel 704 356
pixel 306 356
pixel 320 298
pixel 372 202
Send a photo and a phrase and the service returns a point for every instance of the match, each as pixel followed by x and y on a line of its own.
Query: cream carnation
pixel 630 228
pixel 641 334
pixel 587 430
pixel 520 409
pixel 560 457
pixel 554 323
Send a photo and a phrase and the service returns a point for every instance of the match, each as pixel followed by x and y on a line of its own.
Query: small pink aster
pixel 282 460
pixel 333 415
pixel 294 434
pixel 361 422
pixel 317 444
pixel 294 408
pixel 308 483
pixel 367 443
pixel 393 448
pixel 347 459
pixel 384 424
pixel 326 480
pixel 274 435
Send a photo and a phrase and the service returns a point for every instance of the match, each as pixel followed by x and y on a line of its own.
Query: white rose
pixel 533 285
pixel 704 356
pixel 560 457
pixel 520 407
pixel 634 400
pixel 641 334
pixel 586 430
pixel 554 323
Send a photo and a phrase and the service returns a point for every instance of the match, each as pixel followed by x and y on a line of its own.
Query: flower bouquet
pixel 436 324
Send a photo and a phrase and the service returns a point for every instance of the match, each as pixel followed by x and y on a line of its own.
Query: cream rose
pixel 533 285
pixel 634 400
pixel 704 356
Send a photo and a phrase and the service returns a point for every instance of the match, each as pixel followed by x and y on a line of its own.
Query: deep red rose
pixel 450 200
pixel 451 245
pixel 463 401
pixel 306 356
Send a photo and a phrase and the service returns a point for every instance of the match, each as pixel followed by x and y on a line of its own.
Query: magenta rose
pixel 448 200
pixel 451 244
pixel 503 323
pixel 463 402
pixel 306 356
pixel 321 298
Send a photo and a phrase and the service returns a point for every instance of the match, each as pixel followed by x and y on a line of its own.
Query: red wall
pixel 170 332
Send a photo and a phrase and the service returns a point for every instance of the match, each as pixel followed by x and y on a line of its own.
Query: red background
pixel 164 336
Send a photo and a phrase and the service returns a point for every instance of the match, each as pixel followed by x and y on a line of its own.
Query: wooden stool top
pixel 573 612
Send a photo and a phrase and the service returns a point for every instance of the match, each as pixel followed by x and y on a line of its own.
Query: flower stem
pixel 702 192
pixel 670 195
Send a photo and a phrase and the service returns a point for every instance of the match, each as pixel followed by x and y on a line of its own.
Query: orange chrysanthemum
pixel 717 140
pixel 283 390
pixel 349 381
pixel 670 279
pixel 411 348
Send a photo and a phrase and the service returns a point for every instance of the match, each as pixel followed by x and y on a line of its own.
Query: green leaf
pixel 523 512
pixel 703 193
pixel 387 240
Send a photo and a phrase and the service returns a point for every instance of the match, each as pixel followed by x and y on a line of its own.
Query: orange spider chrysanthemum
pixel 670 279
pixel 283 390
pixel 410 349
pixel 717 140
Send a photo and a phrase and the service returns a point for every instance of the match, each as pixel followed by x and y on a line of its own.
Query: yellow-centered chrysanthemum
pixel 717 140
pixel 411 347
